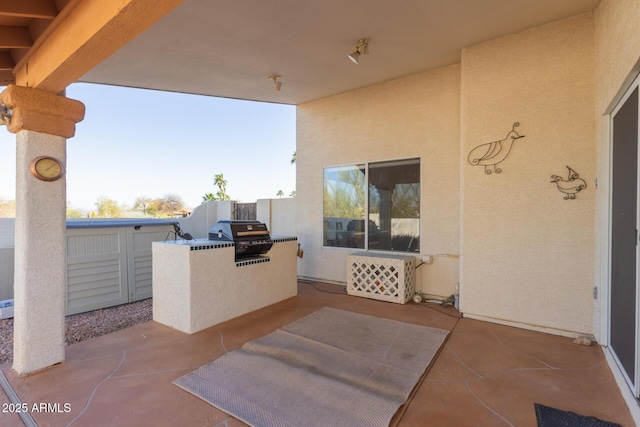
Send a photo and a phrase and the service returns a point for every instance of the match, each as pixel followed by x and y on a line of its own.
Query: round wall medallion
pixel 46 168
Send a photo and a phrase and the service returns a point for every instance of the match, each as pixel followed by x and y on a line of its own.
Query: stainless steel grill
pixel 250 238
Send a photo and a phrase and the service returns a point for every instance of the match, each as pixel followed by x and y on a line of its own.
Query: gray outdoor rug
pixel 331 368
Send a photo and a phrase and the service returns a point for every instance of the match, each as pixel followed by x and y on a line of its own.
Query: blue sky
pixel 136 142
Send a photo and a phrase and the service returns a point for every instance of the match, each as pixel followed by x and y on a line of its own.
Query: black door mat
pixel 552 417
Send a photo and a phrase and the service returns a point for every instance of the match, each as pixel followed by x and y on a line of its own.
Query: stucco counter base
pixel 198 283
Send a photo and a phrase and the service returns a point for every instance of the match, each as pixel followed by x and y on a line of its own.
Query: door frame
pixel 633 384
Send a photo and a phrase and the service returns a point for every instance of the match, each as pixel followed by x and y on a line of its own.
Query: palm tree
pixel 221 183
pixel 280 193
pixel 221 194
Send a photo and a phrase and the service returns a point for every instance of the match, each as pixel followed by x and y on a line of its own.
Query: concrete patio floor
pixel 484 375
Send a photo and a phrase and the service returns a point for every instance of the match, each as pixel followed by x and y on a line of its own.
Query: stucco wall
pixel 414 116
pixel 617 43
pixel 279 215
pixel 528 255
pixel 197 224
pixel 617 63
pixel 196 289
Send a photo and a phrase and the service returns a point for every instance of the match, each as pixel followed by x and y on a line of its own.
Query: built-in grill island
pixel 250 238
pixel 232 268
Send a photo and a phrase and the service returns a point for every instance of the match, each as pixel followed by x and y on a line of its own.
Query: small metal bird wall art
pixel 492 153
pixel 570 186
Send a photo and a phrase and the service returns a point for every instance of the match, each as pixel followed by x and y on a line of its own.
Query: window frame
pixel 366 165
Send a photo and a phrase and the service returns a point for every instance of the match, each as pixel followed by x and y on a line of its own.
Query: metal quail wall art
pixel 570 186
pixel 492 153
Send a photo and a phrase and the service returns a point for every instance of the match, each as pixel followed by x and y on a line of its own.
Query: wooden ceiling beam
pixel 6 77
pixel 85 36
pixel 42 9
pixel 6 61
pixel 14 37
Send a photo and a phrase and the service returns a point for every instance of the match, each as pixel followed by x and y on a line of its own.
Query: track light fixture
pixel 276 82
pixel 362 48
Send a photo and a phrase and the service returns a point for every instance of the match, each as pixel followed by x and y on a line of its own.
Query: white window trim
pixel 366 222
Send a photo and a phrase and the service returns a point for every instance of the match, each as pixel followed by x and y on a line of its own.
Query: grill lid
pixel 250 238
pixel 232 231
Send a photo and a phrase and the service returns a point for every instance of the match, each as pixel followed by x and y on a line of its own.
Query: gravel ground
pixel 80 327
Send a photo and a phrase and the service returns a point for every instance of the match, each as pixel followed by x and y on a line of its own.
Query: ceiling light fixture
pixel 362 48
pixel 276 82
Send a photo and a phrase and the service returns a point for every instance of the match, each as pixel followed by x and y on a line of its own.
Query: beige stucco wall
pixel 617 63
pixel 414 116
pixel 528 255
pixel 40 275
pixel 279 215
pixel 617 43
pixel 196 289
pixel 197 224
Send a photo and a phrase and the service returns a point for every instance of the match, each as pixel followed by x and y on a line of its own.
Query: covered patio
pixel 485 374
pixel 532 263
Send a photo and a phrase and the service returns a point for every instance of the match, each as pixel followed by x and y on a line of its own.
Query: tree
pixel 221 183
pixel 280 193
pixel 74 212
pixel 293 194
pixel 221 194
pixel 108 208
pixel 143 204
pixel 167 206
pixel 405 201
pixel 345 194
pixel 7 208
pixel 294 158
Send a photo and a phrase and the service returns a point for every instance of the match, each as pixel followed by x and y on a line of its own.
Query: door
pixel 139 241
pixel 623 307
pixel 96 268
pixel 110 266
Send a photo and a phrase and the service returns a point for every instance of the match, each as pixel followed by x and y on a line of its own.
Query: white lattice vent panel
pixel 389 278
